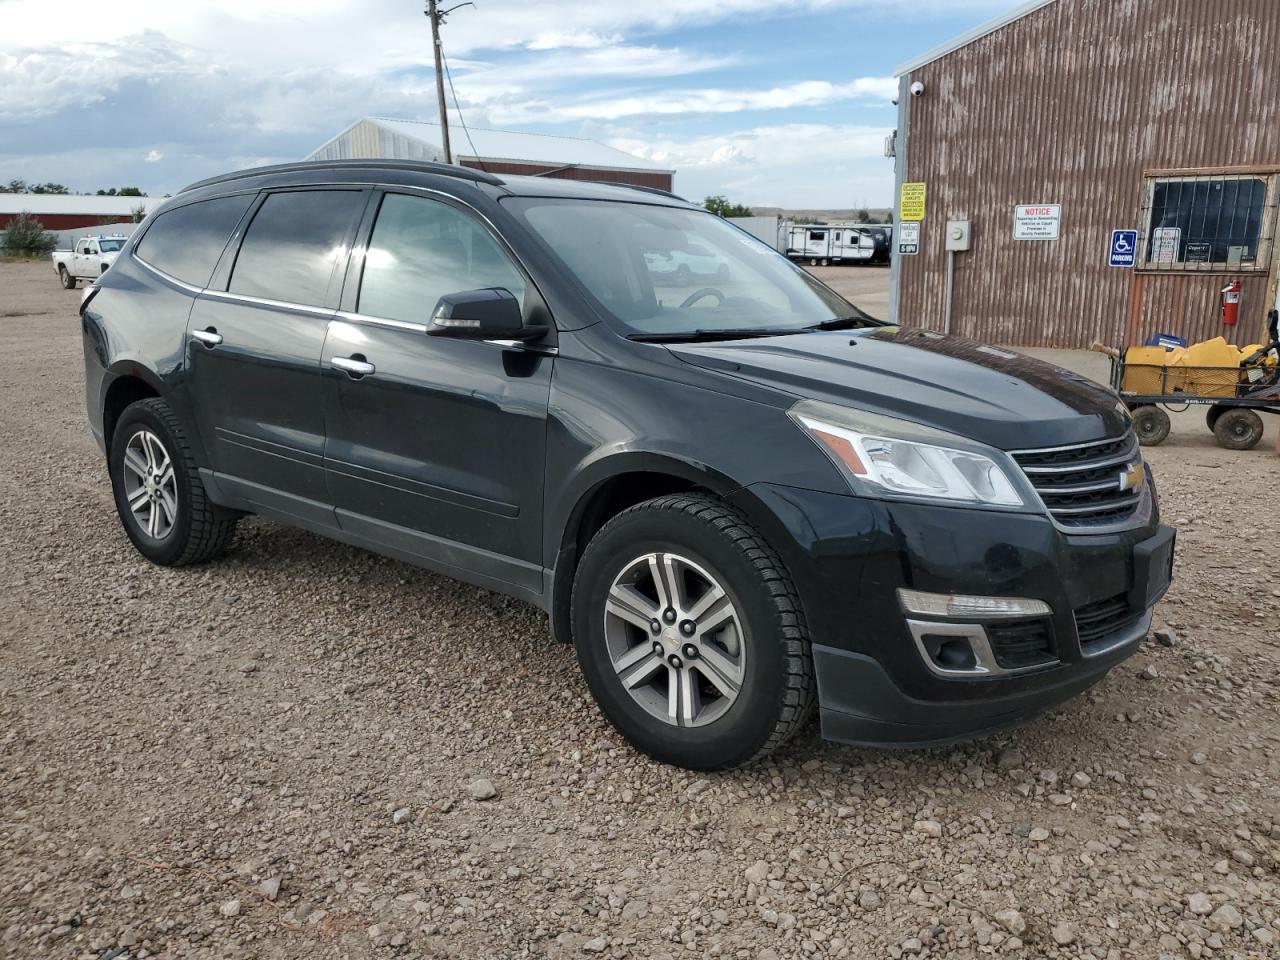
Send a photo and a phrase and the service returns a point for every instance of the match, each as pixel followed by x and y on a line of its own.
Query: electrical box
pixel 958 235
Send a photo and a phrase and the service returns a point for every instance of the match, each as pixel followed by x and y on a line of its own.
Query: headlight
pixel 889 456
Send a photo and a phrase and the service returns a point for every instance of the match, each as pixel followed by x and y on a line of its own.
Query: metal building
pixel 1065 120
pixel 497 151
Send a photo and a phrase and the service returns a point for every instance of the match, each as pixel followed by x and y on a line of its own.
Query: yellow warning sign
pixel 911 205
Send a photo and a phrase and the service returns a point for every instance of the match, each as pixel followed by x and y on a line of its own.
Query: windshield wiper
pixel 708 336
pixel 845 323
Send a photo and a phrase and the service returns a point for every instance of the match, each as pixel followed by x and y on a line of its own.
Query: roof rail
pixel 422 166
pixel 635 186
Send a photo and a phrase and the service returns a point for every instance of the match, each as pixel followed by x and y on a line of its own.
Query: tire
pixel 761 643
pixel 1214 412
pixel 1238 429
pixel 824 262
pixel 188 528
pixel 68 281
pixel 813 261
pixel 1151 424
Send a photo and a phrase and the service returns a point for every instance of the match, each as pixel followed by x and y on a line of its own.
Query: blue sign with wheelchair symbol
pixel 1124 248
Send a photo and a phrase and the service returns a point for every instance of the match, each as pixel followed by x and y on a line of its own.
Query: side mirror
pixel 492 313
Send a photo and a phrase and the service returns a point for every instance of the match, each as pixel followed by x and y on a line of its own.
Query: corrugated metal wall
pixel 1072 105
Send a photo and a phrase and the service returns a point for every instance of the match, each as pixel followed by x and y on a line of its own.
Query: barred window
pixel 1208 223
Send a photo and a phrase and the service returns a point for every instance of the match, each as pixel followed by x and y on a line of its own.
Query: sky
pixel 768 102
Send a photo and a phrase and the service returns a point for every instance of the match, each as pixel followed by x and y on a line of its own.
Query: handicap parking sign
pixel 1124 248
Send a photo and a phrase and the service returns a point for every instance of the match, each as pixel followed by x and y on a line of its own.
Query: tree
pixel 864 216
pixel 121 192
pixel 138 213
pixel 21 186
pixel 721 207
pixel 16 186
pixel 27 237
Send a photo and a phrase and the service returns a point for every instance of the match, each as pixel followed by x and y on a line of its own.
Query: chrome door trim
pixel 358 368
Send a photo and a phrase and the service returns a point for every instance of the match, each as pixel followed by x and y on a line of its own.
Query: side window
pixel 187 242
pixel 817 235
pixel 292 244
pixel 422 249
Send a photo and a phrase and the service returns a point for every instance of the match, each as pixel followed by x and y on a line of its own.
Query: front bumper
pixel 848 557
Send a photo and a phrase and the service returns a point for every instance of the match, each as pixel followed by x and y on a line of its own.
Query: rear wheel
pixel 813 261
pixel 68 281
pixel 690 635
pixel 1151 424
pixel 824 262
pixel 1238 429
pixel 158 492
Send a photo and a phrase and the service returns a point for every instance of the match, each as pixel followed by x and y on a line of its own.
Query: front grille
pixel 1019 644
pixel 1097 624
pixel 1084 486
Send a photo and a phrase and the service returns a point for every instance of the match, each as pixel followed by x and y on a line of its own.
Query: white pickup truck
pixel 89 260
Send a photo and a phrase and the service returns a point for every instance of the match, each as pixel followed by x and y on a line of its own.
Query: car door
pixel 257 332
pixel 435 446
pixel 80 262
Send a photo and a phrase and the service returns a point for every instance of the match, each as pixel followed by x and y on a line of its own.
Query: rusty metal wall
pixel 1072 105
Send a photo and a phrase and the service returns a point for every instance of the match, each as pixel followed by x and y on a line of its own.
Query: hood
pixel 998 397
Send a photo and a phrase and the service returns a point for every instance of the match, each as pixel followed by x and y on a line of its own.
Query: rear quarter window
pixel 186 243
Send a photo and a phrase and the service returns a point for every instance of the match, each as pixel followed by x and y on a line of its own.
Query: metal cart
pixel 1235 396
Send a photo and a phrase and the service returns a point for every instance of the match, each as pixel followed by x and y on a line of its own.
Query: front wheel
pixel 68 281
pixel 690 634
pixel 158 491
pixel 1151 424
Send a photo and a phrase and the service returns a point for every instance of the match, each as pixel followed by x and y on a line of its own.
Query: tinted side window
pixel 292 244
pixel 422 249
pixel 186 242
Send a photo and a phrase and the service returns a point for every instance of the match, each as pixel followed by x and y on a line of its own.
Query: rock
pixel 1242 856
pixel 1038 834
pixel 1199 759
pixel 869 900
pixel 912 945
pixel 1063 934
pixel 1200 904
pixel 1227 917
pixel 1080 779
pixel 930 828
pixel 1165 637
pixel 230 909
pixel 401 816
pixel 482 789
pixel 270 888
pixel 127 938
pixel 1060 799
pixel 248 666
pixel 1009 758
pixel 1012 921
pixel 444 806
pixel 1149 672
pixel 596 945
pixel 758 872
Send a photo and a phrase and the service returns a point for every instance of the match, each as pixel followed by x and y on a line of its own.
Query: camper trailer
pixel 821 244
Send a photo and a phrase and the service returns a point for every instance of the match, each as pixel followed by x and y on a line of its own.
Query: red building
pixel 62 211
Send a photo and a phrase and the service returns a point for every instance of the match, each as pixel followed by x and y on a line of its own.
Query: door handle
pixel 355 366
pixel 210 337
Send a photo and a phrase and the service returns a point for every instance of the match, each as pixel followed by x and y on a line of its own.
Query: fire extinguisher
pixel 1231 303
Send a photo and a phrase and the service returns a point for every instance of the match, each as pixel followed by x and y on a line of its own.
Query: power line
pixel 458 107
pixel 436 16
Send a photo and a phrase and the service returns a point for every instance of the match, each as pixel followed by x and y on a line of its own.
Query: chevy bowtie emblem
pixel 1133 477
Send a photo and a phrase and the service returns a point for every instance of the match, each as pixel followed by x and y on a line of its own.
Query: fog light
pixel 950 653
pixel 959 606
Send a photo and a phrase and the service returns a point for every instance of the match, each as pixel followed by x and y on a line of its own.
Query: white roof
pixel 977 33
pixel 73 204
pixel 518 147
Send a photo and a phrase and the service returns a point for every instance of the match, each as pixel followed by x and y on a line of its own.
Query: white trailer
pixel 820 244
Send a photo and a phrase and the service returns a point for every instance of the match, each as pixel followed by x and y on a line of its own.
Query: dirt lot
pixel 274 756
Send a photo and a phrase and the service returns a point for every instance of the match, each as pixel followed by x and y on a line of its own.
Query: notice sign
pixel 911 203
pixel 909 239
pixel 1166 242
pixel 1037 221
pixel 1124 249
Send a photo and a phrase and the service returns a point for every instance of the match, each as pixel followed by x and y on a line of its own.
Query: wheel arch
pixel 612 485
pixel 128 382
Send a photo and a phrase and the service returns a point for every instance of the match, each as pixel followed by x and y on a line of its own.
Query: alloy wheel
pixel 675 639
pixel 150 485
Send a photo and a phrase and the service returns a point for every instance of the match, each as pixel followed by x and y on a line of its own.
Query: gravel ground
pixel 308 751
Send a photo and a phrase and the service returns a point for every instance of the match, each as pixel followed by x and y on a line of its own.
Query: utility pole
pixel 436 17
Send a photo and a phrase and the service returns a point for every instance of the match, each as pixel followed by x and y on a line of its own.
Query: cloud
pixel 153 156
pixel 573 39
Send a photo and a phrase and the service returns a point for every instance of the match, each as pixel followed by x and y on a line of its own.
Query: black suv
pixel 728 487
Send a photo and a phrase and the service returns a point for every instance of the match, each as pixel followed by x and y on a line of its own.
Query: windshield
pixel 669 270
pixel 110 246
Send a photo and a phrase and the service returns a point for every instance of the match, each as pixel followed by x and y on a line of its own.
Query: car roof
pixel 422 173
